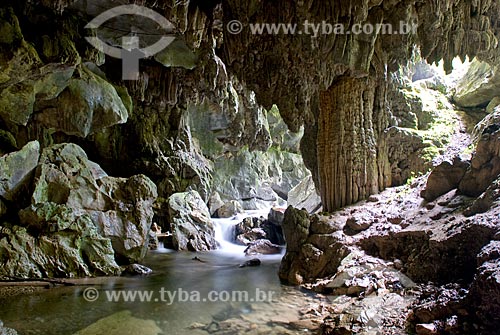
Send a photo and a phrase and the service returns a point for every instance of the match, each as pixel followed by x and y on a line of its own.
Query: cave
pixel 229 167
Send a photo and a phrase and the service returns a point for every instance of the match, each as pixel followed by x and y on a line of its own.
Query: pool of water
pixel 65 310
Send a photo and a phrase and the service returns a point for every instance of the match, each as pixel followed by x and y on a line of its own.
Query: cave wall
pixel 335 87
pixel 304 75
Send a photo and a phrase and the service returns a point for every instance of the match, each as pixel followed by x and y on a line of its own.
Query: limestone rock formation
pixel 485 290
pixel 6 330
pixel 314 248
pixel 263 247
pixel 305 196
pixel 16 170
pixel 81 222
pixel 479 86
pixel 88 104
pixel 252 229
pixel 55 242
pixel 491 119
pixel 347 86
pixel 444 178
pixel 229 209
pixel 485 163
pixel 190 222
pixel 121 322
pixel 119 207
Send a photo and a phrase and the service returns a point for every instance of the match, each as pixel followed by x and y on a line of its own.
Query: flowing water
pixel 65 310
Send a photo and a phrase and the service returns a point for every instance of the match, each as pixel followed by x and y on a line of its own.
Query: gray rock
pixel 153 242
pixel 87 105
pixel 493 105
pixel 305 196
pixel 254 178
pixel 120 208
pixel 191 226
pixel 136 270
pixel 485 163
pixel 34 83
pixel 229 209
pixel 214 203
pixel 76 251
pixel 252 229
pixel 359 221
pixel 490 120
pixel 486 201
pixel 408 153
pixel 6 331
pixel 264 247
pixel 473 90
pixel 251 236
pixel 426 329
pixel 276 215
pixel 16 169
pixel 444 178
pixel 252 262
pixel 121 323
pixel 423 71
pixel 309 255
pixel 83 219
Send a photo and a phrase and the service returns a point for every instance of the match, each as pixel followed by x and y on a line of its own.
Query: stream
pixel 65 310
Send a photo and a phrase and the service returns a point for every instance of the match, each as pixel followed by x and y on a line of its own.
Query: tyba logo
pixel 130 51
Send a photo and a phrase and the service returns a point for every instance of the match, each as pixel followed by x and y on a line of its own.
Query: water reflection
pixel 64 311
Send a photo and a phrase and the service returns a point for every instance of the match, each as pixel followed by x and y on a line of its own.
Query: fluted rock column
pixel 347 147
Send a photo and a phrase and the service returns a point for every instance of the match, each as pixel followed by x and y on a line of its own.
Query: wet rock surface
pixel 190 223
pixel 262 246
pixel 136 270
pixel 252 229
pixel 229 209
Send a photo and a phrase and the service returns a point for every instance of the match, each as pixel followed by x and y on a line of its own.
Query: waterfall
pixel 224 229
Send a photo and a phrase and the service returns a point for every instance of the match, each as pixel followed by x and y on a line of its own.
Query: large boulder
pixel 16 169
pixel 444 178
pixel 252 229
pixel 229 209
pixel 408 152
pixel 485 163
pixel 123 322
pixel 305 196
pixel 315 247
pixel 89 103
pixel 120 208
pixel 479 86
pixel 81 222
pixel 190 223
pixel 491 119
pixel 263 247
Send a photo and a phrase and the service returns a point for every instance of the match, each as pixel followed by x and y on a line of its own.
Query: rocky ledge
pixel 437 259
